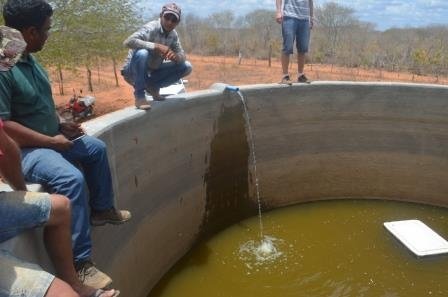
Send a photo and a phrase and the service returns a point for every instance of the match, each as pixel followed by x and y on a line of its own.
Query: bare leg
pixel 285 63
pixel 58 243
pixel 300 62
pixel 57 239
pixel 59 288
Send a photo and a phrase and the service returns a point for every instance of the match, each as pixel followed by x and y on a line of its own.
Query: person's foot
pixel 110 216
pixel 86 291
pixel 155 94
pixel 104 293
pixel 286 80
pixel 303 79
pixel 91 276
pixel 142 104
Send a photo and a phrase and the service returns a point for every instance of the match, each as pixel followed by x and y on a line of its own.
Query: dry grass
pixel 208 70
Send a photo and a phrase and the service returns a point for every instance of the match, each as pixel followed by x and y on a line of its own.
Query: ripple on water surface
pixel 331 248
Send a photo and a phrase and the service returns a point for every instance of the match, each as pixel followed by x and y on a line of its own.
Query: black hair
pixel 22 14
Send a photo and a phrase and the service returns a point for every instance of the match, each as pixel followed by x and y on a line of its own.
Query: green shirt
pixel 26 97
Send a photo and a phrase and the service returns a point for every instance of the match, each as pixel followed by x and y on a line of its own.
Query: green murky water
pixel 331 248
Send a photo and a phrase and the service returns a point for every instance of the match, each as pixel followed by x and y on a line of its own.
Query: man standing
pixel 155 42
pixel 296 18
pixel 48 156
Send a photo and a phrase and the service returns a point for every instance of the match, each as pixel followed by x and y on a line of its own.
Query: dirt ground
pixel 209 70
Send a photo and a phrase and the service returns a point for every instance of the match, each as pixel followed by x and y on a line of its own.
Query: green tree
pixel 86 30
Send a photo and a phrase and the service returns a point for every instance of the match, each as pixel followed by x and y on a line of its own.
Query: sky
pixel 384 14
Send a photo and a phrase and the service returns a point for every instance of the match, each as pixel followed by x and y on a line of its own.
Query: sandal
pixel 142 104
pixel 158 98
pixel 100 292
pixel 155 94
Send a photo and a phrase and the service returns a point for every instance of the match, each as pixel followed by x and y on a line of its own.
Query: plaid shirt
pixel 146 38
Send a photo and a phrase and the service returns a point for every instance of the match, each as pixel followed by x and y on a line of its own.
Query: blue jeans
pixel 298 30
pixel 60 173
pixel 20 211
pixel 137 73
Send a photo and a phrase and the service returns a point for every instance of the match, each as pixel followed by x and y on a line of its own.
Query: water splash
pixel 267 250
pixel 256 254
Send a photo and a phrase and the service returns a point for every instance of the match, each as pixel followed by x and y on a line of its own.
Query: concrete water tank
pixel 184 168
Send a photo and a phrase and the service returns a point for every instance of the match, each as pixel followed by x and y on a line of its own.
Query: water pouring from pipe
pixel 263 249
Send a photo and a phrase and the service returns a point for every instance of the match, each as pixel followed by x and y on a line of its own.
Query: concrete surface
pixel 184 168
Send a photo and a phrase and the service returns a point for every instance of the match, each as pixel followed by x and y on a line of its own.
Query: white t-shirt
pixel 299 9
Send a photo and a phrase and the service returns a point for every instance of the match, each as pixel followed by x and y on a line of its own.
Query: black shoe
pixel 303 79
pixel 286 80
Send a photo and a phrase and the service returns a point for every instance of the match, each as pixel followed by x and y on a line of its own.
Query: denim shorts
pixel 298 30
pixel 22 279
pixel 20 211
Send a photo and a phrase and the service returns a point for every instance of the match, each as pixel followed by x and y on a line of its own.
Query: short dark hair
pixel 21 14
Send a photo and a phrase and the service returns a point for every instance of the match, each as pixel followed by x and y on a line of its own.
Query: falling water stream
pixel 264 249
pixel 254 158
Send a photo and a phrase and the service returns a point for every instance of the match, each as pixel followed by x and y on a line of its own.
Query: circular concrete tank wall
pixel 184 168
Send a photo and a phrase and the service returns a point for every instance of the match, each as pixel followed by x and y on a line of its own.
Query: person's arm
pixel 139 40
pixel 311 14
pixel 10 163
pixel 279 12
pixel 178 50
pixel 26 137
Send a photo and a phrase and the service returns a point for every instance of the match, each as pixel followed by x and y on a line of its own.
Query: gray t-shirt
pixel 299 9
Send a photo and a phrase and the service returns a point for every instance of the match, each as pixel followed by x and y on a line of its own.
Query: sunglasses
pixel 170 17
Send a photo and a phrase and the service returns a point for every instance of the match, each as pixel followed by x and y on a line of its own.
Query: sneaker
pixel 142 104
pixel 155 94
pixel 110 216
pixel 91 276
pixel 286 80
pixel 303 79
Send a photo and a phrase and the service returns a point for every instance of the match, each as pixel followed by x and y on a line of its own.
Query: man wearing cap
pixel 155 42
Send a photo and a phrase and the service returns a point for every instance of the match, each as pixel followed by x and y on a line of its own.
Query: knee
pixel 141 55
pixel 61 203
pixel 95 146
pixel 188 68
pixel 75 180
pixel 60 209
pixel 287 50
pixel 99 148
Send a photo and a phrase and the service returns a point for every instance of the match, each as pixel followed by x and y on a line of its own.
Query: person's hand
pixel 166 53
pixel 161 49
pixel 71 130
pixel 311 22
pixel 279 17
pixel 172 56
pixel 60 143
